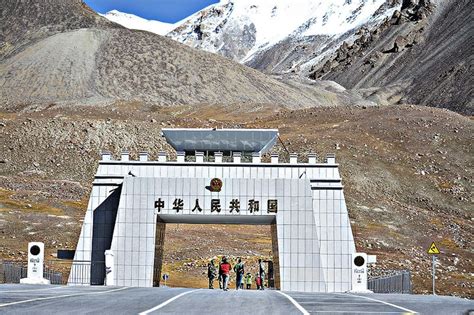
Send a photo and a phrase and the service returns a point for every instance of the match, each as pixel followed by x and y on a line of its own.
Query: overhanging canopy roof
pixel 221 140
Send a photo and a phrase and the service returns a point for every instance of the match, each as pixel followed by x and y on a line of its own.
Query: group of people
pixel 222 272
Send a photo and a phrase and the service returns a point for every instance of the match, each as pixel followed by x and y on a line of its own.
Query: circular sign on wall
pixel 359 261
pixel 35 250
pixel 216 184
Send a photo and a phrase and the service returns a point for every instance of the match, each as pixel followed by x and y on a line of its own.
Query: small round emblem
pixel 216 184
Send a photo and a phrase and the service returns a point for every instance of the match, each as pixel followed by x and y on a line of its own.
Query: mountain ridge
pixel 425 49
pixel 392 51
pixel 62 53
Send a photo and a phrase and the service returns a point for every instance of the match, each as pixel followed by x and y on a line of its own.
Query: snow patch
pixel 134 22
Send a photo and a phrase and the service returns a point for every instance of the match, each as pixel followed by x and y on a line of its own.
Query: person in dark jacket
pixel 239 274
pixel 211 273
pixel 224 270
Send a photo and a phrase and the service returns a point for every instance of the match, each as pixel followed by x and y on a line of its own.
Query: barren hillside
pixel 59 52
pixel 423 54
pixel 398 51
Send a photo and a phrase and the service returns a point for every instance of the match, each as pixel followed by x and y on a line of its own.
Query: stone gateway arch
pixel 218 178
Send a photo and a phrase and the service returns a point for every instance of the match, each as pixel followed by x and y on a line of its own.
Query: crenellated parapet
pixel 199 157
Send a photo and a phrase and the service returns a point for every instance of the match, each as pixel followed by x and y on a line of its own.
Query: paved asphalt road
pixel 29 299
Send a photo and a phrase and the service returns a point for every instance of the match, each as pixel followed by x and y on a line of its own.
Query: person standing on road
pixel 239 274
pixel 219 278
pixel 211 273
pixel 248 280
pixel 224 269
pixel 242 277
pixel 261 273
pixel 257 281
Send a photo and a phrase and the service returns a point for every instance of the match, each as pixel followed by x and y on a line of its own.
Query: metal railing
pixel 399 283
pixel 83 272
pixel 12 272
pixel 76 272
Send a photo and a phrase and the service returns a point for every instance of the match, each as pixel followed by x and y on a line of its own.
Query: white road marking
pixel 346 312
pixel 338 303
pixel 60 296
pixel 386 303
pixel 298 306
pixel 32 290
pixel 165 303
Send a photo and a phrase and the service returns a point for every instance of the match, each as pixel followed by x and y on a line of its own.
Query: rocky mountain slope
pixel 398 51
pixel 424 53
pixel 60 52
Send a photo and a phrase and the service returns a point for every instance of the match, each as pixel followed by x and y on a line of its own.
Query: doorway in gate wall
pixel 182 251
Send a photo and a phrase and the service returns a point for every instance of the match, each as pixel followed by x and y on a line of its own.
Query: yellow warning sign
pixel 433 249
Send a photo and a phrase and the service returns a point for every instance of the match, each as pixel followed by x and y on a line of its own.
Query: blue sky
pixel 161 10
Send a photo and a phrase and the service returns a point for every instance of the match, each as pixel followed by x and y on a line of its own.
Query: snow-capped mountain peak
pixel 240 29
pixel 270 35
pixel 134 22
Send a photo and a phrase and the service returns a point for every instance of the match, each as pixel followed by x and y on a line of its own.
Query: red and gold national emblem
pixel 216 185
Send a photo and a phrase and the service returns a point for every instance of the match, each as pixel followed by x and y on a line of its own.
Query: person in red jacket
pixel 224 270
